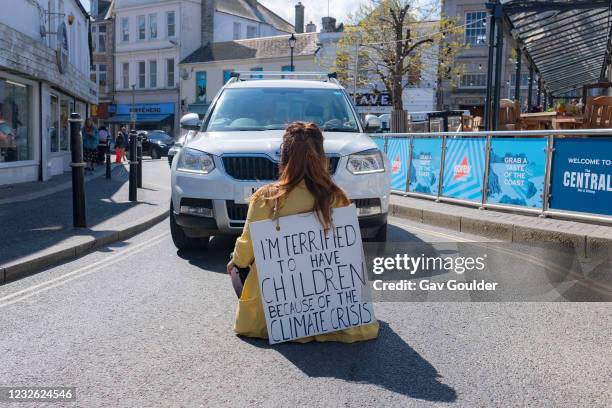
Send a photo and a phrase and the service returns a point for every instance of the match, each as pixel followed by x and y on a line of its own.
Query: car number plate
pixel 244 194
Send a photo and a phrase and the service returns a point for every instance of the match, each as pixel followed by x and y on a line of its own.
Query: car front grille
pixel 260 168
pixel 236 212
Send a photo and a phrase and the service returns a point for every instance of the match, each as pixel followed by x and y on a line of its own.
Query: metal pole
pixel 133 167
pixel 517 82
pixel 409 174
pixel 133 113
pixel 441 176
pixel 547 176
pixel 530 91
pixel 485 184
pixel 539 95
pixel 78 172
pixel 498 67
pixel 139 159
pixel 292 67
pixel 108 159
pixel 445 121
pixel 487 107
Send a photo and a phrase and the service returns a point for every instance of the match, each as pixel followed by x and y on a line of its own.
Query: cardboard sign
pixel 311 283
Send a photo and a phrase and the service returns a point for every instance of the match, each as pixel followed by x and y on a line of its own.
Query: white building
pixel 152 36
pixel 44 76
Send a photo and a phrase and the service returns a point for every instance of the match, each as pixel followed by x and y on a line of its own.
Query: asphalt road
pixel 138 324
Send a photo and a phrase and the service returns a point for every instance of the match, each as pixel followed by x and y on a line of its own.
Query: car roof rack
pixel 254 75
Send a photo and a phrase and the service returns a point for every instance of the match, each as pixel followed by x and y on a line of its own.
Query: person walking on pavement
pixel 104 143
pixel 120 143
pixel 90 144
pixel 304 185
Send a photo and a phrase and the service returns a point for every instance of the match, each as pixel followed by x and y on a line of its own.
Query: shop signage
pixel 62 49
pixel 582 175
pixel 517 169
pixel 426 160
pixel 146 108
pixel 464 164
pixel 374 99
pixel 398 150
pixel 311 282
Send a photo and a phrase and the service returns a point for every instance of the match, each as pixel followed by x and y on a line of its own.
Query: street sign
pixel 311 282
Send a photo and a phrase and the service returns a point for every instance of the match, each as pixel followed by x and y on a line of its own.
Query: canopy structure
pixel 565 42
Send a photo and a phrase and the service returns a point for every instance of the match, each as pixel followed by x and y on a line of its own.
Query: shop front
pixel 146 116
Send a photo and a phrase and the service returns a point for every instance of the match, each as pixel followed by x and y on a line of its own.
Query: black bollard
pixel 108 162
pixel 139 154
pixel 133 167
pixel 78 172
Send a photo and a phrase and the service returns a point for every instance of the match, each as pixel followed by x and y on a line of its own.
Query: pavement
pixel 587 239
pixel 139 324
pixel 37 227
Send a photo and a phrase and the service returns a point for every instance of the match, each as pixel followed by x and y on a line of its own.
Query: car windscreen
pixel 274 108
pixel 162 137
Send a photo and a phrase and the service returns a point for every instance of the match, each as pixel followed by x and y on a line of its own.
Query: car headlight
pixel 195 161
pixel 368 161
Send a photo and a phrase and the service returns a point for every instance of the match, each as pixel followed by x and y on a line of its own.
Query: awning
pixel 568 42
pixel 140 118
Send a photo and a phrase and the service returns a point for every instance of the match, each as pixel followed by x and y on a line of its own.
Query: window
pixel 125 75
pixel 153 26
pixel 125 29
pixel 475 28
pixel 251 31
pixel 152 74
pixel 98 74
pixel 101 39
pixel 141 74
pixel 237 30
pixel 524 80
pixel 170 26
pixel 170 72
pixel 256 70
pixel 53 130
pixel 15 135
pixel 200 86
pixel 473 81
pixel 227 75
pixel 64 124
pixel 142 28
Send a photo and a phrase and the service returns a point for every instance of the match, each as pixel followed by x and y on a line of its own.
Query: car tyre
pixel 381 235
pixel 181 240
pixel 155 153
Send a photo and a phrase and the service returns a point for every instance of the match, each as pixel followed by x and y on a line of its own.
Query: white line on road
pixel 86 270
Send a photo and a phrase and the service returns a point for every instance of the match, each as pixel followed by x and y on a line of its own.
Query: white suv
pixel 237 151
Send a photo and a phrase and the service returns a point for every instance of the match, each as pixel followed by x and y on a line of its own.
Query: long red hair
pixel 303 158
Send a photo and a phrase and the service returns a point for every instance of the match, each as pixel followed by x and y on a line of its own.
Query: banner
pixel 311 283
pixel 464 164
pixel 200 79
pixel 380 142
pixel 398 150
pixel 426 159
pixel 517 169
pixel 582 175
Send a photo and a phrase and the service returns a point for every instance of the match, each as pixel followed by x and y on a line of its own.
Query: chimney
pixel 208 15
pixel 311 27
pixel 329 25
pixel 299 17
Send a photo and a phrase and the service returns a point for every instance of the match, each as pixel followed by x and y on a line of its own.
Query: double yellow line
pixel 79 273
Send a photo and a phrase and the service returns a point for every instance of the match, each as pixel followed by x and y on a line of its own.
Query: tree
pixel 393 42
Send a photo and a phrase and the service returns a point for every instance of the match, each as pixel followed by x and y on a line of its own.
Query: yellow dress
pixel 250 319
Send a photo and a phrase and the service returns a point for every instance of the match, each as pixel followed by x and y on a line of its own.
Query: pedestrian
pixel 120 143
pixel 89 133
pixel 103 145
pixel 304 185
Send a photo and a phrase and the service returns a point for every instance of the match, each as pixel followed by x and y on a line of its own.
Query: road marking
pixel 78 273
pixel 435 233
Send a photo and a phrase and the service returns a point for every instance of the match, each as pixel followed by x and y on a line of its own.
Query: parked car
pixel 237 151
pixel 190 125
pixel 156 143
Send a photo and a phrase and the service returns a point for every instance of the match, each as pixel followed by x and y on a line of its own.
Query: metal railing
pixel 549 140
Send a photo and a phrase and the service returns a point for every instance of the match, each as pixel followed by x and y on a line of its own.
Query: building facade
pixel 102 66
pixel 44 77
pixel 468 92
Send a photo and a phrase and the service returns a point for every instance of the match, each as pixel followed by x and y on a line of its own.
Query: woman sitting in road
pixel 304 185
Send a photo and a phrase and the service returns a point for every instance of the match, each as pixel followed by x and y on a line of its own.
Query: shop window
pixel 200 86
pixel 64 125
pixel 15 143
pixel 53 130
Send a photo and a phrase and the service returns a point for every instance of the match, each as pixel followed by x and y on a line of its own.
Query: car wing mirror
pixel 190 121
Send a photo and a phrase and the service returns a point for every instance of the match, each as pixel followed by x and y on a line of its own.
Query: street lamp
pixel 292 41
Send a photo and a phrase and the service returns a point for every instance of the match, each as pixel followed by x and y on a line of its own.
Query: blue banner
pixel 426 159
pixel 380 142
pixel 464 165
pixel 517 170
pixel 147 108
pixel 582 175
pixel 397 151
